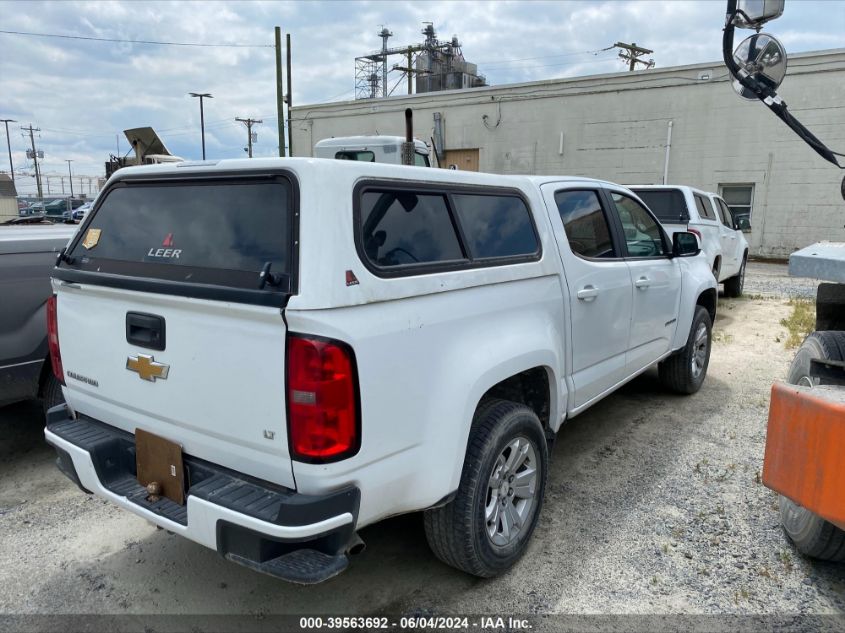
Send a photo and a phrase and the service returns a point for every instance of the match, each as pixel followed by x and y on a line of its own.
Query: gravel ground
pixel 654 506
pixel 771 279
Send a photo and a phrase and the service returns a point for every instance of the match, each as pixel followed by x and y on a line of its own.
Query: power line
pixel 109 39
pixel 525 59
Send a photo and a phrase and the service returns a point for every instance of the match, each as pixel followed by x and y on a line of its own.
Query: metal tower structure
pixel 441 60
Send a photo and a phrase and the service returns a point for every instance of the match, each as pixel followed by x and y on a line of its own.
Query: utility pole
pixel 280 92
pixel 32 131
pixel 9 146
pixel 289 98
pixel 69 177
pixel 633 55
pixel 249 123
pixel 202 95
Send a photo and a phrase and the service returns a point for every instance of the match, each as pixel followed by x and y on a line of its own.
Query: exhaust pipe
pixel 355 545
pixel 408 145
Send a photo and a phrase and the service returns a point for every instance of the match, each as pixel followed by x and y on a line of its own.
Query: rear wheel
pixel 811 534
pixel 486 528
pixel 735 285
pixel 685 370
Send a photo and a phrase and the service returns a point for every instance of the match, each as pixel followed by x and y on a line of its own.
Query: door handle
pixel 145 330
pixel 642 282
pixel 587 293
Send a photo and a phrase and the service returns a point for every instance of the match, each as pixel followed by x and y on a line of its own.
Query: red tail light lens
pixel 697 233
pixel 53 340
pixel 322 400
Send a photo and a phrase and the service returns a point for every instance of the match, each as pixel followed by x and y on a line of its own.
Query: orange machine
pixel 805 448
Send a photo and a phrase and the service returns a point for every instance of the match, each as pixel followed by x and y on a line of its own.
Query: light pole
pixel 9 146
pixel 70 175
pixel 202 95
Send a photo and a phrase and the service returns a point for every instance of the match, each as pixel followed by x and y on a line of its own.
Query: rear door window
pixel 705 209
pixel 219 233
pixel 668 205
pixel 727 218
pixel 585 223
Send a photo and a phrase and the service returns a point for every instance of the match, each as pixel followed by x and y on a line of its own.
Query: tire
pixel 684 372
pixel 470 531
pixel 811 534
pixel 735 285
pixel 827 345
pixel 51 392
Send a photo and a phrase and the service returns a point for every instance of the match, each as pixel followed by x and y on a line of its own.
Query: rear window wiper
pixel 266 277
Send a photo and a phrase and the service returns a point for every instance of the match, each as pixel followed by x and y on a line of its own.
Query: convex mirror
pixel 763 58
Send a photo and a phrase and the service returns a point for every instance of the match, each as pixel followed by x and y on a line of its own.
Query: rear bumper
pixel 301 538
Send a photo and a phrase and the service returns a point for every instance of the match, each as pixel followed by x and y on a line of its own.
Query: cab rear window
pixel 668 205
pixel 218 232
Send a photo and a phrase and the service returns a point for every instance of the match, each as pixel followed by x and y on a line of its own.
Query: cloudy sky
pixel 83 93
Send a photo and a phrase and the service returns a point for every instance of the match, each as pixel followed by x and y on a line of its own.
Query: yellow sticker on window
pixel 91 238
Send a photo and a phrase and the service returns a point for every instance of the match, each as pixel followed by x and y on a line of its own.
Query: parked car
pixel 266 355
pixel 79 214
pixel 62 208
pixel 27 255
pixel 681 208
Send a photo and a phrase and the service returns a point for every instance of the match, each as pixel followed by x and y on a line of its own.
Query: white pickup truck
pixel 266 355
pixel 682 208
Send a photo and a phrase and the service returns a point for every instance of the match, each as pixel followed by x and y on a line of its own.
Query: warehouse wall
pixel 615 127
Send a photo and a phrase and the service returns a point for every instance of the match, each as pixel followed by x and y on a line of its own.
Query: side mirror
pixel 764 59
pixel 752 14
pixel 685 244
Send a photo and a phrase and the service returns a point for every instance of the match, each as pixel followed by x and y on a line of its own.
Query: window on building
pixel 496 226
pixel 585 223
pixel 740 199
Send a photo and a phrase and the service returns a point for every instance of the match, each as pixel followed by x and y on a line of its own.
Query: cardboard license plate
pixel 159 460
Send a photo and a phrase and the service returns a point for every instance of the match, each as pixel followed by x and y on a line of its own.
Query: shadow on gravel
pixel 22 434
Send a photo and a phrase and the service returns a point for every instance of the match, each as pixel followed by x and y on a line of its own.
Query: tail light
pixel 53 340
pixel 323 420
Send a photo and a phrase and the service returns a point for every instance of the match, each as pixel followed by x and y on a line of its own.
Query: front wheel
pixel 685 370
pixel 485 529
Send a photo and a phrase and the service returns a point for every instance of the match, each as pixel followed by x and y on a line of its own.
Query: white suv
pixel 266 355
pixel 681 208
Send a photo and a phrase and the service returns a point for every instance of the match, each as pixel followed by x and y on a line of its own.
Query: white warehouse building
pixel 683 124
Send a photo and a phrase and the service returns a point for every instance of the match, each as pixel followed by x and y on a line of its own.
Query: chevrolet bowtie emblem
pixel 147 367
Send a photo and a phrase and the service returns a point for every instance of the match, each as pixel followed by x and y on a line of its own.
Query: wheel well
pixel 46 372
pixel 707 300
pixel 529 387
